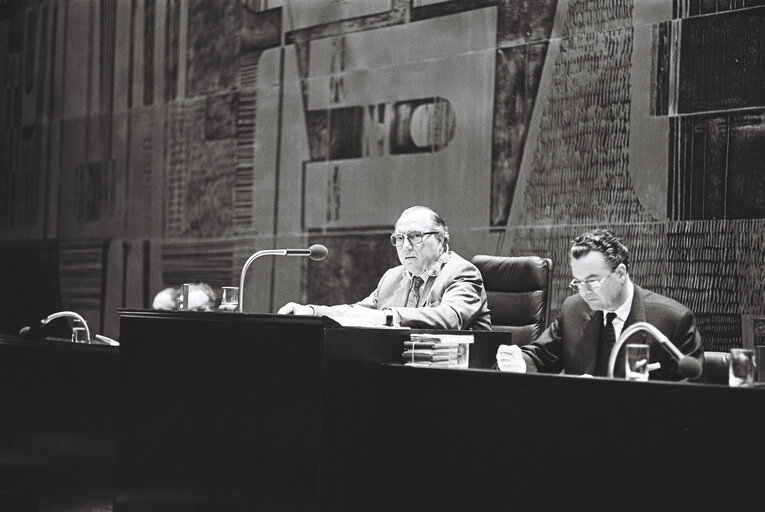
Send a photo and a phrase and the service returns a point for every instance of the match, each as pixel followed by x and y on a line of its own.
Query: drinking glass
pixel 79 335
pixel 636 362
pixel 463 355
pixel 741 367
pixel 229 298
pixel 183 298
pixel 759 357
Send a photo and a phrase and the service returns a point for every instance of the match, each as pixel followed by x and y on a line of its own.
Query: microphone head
pixel 25 331
pixel 318 252
pixel 689 367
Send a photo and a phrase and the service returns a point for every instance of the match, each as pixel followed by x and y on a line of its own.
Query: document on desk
pixel 355 321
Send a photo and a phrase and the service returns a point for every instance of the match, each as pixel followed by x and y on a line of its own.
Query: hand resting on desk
pixel 375 316
pixel 293 308
pixel 509 359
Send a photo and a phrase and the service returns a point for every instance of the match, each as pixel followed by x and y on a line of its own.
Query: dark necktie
pixel 414 293
pixel 607 341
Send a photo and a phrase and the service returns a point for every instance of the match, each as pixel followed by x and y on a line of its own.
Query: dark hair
pixel 606 243
pixel 438 222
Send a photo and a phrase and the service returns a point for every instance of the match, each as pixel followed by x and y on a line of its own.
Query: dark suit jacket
pixel 571 342
pixel 455 299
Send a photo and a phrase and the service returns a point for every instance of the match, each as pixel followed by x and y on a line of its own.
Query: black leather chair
pixel 518 291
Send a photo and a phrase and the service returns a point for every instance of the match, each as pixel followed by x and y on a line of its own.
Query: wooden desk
pixel 229 411
pixel 478 440
pixel 261 412
pixel 58 409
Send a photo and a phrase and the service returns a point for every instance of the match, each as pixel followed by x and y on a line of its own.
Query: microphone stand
pixel 663 340
pixel 269 252
pixel 316 252
pixel 70 314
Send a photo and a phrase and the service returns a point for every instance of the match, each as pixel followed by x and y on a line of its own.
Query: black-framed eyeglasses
pixel 591 284
pixel 414 237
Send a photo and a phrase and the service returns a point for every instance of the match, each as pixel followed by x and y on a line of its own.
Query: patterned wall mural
pixel 145 143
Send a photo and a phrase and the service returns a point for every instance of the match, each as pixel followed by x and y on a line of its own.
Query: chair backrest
pixel 518 291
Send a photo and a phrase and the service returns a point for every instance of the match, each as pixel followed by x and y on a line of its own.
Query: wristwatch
pixel 388 317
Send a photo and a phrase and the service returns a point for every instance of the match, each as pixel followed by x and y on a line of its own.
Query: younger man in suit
pixel 579 340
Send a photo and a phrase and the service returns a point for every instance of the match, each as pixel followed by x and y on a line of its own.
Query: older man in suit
pixel 580 339
pixel 432 288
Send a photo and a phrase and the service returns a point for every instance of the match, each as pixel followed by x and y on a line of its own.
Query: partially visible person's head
pixel 167 299
pixel 424 237
pixel 600 265
pixel 201 298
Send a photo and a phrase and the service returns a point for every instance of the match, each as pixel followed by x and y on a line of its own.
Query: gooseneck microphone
pixel 316 252
pixel 689 366
pixel 29 331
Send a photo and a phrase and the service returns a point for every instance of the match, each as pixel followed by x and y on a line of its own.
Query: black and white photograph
pixel 382 255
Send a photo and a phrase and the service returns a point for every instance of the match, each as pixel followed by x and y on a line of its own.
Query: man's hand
pixel 509 359
pixel 293 308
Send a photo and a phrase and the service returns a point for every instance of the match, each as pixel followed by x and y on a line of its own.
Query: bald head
pixel 426 216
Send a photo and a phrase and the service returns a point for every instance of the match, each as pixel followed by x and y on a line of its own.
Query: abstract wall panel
pixel 717 167
pixel 308 13
pixel 580 166
pixel 25 43
pixel 385 127
pixel 721 61
pixel 519 70
pixel 191 261
pixel 702 273
pixel 212 46
pixel 83 266
pixel 524 22
pixel 354 273
pixel 201 168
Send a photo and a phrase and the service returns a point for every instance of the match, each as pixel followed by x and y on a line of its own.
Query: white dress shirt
pixel 622 312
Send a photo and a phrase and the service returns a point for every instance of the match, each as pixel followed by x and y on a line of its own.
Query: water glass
pixel 463 355
pixel 229 298
pixel 741 367
pixel 759 357
pixel 636 362
pixel 183 298
pixel 79 335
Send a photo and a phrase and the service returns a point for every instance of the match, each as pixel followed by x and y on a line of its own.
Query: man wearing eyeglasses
pixel 580 339
pixel 432 288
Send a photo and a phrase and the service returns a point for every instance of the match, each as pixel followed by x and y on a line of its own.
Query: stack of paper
pixel 437 350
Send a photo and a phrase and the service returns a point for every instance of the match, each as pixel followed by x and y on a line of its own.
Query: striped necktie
pixel 413 299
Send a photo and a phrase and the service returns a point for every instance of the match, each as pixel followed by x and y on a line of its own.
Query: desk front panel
pixel 488 440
